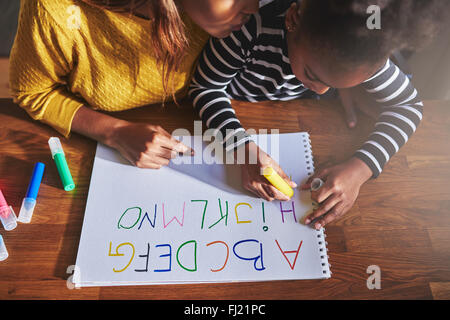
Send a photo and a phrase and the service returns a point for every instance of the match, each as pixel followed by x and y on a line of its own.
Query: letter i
pixel 265 228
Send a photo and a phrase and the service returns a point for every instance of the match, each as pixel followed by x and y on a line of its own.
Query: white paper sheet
pixel 144 226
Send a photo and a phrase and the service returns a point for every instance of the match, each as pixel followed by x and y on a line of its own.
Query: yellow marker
pixel 277 181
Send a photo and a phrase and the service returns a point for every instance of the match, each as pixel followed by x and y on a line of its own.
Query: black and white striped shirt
pixel 253 65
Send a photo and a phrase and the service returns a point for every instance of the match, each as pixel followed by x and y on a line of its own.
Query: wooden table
pixel 400 222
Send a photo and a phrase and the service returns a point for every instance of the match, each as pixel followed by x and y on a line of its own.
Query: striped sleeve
pixel 218 64
pixel 400 115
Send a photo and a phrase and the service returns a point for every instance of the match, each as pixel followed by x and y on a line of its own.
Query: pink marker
pixel 7 215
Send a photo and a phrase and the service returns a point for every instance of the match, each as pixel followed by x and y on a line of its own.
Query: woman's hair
pixel 340 27
pixel 169 40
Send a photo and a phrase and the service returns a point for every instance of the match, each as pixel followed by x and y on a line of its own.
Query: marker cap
pixel 55 146
pixel 3 252
pixel 61 163
pixel 8 218
pixel 27 209
pixel 316 184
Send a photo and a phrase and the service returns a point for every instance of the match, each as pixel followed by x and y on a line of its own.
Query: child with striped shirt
pixel 293 49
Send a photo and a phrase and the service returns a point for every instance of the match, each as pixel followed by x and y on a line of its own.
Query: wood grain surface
pixel 400 222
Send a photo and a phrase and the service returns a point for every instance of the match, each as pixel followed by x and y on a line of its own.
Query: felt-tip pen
pixel 278 182
pixel 61 163
pixel 29 202
pixel 7 215
pixel 3 251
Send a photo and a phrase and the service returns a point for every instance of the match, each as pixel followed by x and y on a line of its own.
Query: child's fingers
pixel 284 176
pixel 263 193
pixel 322 194
pixel 252 188
pixel 322 174
pixel 330 216
pixel 307 184
pixel 326 206
pixel 275 193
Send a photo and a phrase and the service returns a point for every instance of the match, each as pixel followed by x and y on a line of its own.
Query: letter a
pixel 292 265
pixel 374 21
pixel 374 281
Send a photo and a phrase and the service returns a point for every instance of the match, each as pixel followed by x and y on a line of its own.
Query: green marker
pixel 61 163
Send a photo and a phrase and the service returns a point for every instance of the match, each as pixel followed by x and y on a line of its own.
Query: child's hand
pixel 339 192
pixel 254 181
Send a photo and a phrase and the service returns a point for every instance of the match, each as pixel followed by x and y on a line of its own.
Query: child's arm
pixel 401 113
pixel 217 66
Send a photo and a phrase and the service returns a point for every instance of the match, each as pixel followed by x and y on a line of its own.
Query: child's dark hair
pixel 340 27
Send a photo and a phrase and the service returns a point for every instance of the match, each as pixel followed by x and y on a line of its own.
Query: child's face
pixel 316 69
pixel 220 17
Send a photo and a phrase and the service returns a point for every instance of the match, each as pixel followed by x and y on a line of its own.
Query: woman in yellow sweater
pixel 72 57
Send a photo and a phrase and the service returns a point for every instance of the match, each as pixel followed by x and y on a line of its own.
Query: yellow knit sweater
pixel 67 54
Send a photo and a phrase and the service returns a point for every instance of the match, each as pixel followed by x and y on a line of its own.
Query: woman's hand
pixel 145 145
pixel 339 192
pixel 254 181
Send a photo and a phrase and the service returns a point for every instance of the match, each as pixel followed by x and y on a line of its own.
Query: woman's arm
pixel 144 145
pixel 40 62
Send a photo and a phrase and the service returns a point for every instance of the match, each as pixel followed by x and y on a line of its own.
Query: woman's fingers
pixel 148 146
pixel 165 140
pixel 151 161
pixel 166 153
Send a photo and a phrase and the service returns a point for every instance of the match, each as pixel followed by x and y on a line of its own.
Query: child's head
pixel 331 45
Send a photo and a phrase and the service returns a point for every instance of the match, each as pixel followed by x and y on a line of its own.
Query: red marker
pixel 7 215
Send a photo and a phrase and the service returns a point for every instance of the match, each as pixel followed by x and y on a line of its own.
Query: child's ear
pixel 292 17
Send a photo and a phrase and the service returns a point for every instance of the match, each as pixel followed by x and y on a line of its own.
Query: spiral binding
pixel 320 234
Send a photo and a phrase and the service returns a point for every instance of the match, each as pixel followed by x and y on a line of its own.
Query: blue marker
pixel 29 202
pixel 3 251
